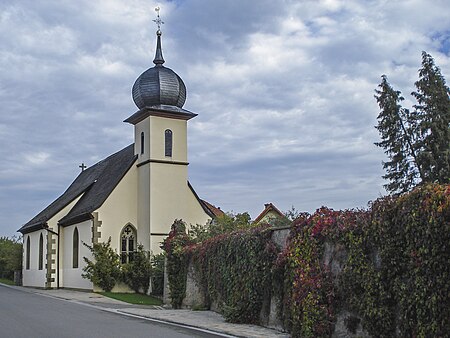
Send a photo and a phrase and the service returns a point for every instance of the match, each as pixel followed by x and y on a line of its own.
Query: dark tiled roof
pixel 95 184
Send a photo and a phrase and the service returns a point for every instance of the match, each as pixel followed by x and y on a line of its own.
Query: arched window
pixel 168 143
pixel 128 243
pixel 142 142
pixel 27 263
pixel 75 249
pixel 41 253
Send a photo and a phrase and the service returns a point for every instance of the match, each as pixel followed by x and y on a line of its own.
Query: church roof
pixel 159 86
pixel 94 185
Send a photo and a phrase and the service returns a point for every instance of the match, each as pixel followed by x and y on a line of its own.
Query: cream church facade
pixel 132 196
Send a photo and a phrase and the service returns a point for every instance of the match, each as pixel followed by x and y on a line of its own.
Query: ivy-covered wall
pixel 381 272
pixel 392 275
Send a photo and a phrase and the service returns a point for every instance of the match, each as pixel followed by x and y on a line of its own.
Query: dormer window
pixel 168 143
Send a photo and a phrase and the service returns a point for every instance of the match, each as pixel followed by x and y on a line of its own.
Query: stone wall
pixel 334 257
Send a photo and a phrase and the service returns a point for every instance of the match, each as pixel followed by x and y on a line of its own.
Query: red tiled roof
pixel 216 211
pixel 268 207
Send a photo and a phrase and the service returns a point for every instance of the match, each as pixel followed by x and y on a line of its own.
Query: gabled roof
pixel 210 209
pixel 213 209
pixel 95 184
pixel 268 207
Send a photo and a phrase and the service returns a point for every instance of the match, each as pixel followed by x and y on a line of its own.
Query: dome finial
pixel 158 60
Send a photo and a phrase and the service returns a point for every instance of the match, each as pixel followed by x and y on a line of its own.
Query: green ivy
pixel 235 271
pixel 177 262
pixel 395 274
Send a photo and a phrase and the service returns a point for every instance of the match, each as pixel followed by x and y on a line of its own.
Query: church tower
pixel 160 127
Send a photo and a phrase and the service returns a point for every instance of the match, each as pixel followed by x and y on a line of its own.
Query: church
pixel 132 196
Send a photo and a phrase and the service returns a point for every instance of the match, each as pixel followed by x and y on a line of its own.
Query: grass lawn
pixel 6 281
pixel 133 298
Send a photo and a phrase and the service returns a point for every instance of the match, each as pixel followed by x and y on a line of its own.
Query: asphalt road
pixel 25 314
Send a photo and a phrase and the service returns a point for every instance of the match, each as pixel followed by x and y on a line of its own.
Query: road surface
pixel 25 314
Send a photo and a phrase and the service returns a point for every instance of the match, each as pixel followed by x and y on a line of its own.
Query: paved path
pixel 204 320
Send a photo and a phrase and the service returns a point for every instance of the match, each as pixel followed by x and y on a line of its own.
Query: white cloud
pixel 284 93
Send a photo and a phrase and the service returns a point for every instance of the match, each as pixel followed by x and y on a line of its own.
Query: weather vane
pixel 158 20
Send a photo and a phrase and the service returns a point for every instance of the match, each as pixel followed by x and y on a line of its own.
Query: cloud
pixel 284 93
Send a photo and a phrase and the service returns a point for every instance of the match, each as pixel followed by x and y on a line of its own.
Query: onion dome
pixel 159 86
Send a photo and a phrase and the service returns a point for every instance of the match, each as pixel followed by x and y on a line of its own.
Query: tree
pixel 105 270
pixel 137 273
pixel 225 223
pixel 395 127
pixel 417 142
pixel 432 112
pixel 10 256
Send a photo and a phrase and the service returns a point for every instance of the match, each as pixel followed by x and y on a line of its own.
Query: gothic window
pixel 75 249
pixel 41 252
pixel 142 142
pixel 27 263
pixel 168 142
pixel 128 243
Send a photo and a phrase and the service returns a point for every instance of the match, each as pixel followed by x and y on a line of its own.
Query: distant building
pixel 270 215
pixel 132 196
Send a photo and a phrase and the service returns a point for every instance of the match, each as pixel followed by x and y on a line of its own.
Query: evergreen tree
pixel 432 112
pixel 395 127
pixel 418 142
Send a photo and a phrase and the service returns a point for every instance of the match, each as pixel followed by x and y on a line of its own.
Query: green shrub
pixel 177 261
pixel 104 271
pixel 158 274
pixel 137 273
pixel 10 256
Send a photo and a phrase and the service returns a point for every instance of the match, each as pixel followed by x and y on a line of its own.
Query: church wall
pixel 195 213
pixel 53 225
pixel 158 126
pixel 143 231
pixel 167 199
pixel 119 209
pixel 71 277
pixel 171 199
pixel 142 127
pixel 34 276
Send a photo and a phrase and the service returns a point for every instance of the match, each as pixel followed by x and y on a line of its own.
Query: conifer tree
pixel 417 142
pixel 432 113
pixel 395 128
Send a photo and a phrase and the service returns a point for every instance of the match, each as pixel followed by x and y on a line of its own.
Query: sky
pixel 284 92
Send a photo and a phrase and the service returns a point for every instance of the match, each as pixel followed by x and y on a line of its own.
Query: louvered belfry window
pixel 168 142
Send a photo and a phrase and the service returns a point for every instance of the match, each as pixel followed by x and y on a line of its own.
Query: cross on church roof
pixel 82 166
pixel 158 20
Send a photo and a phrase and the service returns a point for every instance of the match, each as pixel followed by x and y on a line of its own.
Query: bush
pixel 10 256
pixel 158 274
pixel 137 273
pixel 177 261
pixel 104 271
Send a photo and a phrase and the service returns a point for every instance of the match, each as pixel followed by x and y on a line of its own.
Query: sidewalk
pixel 206 320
